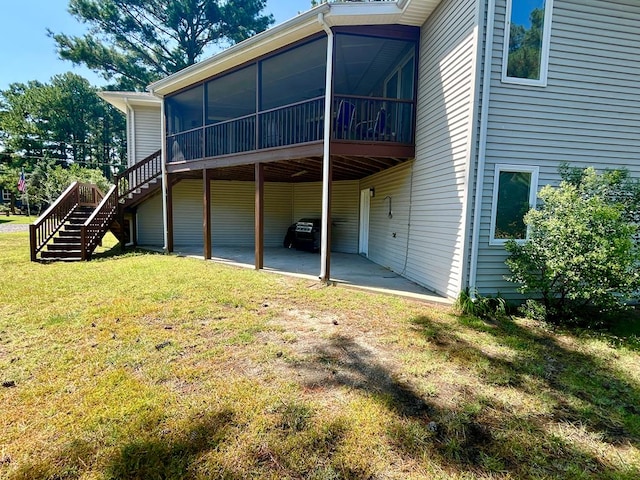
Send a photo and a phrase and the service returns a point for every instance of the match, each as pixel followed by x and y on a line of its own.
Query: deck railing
pixel 99 222
pixel 355 118
pixel 140 174
pixel 231 136
pixel 46 226
pixel 372 119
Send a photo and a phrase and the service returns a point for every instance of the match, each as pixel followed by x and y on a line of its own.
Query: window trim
pixel 533 194
pixel 544 58
pixel 6 195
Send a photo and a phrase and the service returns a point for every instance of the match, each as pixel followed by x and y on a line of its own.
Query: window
pixel 6 195
pixel 526 41
pixel 514 193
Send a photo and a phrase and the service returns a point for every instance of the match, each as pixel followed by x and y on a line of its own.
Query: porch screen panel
pixel 184 112
pixel 375 77
pixel 230 112
pixel 291 95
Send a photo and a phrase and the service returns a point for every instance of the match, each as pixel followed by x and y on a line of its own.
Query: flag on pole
pixel 22 184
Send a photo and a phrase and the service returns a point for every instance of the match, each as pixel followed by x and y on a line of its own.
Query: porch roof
pixel 402 12
pixel 120 100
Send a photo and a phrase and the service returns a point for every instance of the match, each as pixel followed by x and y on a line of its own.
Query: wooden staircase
pixel 75 224
pixel 67 244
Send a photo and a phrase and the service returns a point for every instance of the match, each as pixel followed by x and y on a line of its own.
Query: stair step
pixel 63 247
pixel 61 254
pixel 68 234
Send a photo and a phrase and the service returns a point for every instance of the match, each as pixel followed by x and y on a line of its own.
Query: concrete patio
pixel 347 270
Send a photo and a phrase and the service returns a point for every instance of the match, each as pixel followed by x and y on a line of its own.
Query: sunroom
pixel 296 129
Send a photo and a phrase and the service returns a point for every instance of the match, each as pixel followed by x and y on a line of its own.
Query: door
pixel 365 205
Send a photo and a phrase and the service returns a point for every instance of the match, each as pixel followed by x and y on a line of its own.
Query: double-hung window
pixel 526 41
pixel 514 193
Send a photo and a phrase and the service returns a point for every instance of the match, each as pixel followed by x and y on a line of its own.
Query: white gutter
pixel 163 163
pixel 482 148
pixel 326 171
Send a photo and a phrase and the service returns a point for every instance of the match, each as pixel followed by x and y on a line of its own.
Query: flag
pixel 22 184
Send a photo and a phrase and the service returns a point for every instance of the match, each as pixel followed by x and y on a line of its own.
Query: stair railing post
pixel 32 241
pixel 83 242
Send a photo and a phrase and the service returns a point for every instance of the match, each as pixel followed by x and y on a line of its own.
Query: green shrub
pixel 582 254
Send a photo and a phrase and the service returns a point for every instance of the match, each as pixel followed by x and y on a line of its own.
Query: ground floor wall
pixel 149 223
pixel 232 213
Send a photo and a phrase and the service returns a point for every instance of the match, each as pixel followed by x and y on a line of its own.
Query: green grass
pixel 147 366
pixel 17 219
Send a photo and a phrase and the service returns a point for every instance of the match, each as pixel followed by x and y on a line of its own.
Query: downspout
pixel 326 172
pixel 131 133
pixel 482 147
pixel 131 160
pixel 163 164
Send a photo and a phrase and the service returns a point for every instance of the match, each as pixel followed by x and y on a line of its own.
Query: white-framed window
pixel 6 195
pixel 515 189
pixel 526 42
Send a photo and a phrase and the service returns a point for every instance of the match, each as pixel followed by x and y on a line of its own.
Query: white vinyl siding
pixel 588 115
pixel 187 213
pixel 446 87
pixel 388 234
pixel 233 206
pixel 278 212
pixel 147 131
pixel 149 223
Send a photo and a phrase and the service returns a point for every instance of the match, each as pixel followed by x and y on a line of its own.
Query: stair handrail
pixel 92 231
pixel 89 195
pixel 47 224
pixel 139 174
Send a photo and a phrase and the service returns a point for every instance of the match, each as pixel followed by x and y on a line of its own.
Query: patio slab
pixel 347 270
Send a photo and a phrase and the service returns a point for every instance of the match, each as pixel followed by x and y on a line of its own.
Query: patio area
pixel 347 270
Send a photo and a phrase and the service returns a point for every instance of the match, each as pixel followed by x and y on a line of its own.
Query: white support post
pixel 326 158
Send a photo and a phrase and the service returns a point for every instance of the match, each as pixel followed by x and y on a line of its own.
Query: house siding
pixel 587 115
pixel 147 131
pixel 446 93
pixel 232 212
pixel 149 223
pixel 388 234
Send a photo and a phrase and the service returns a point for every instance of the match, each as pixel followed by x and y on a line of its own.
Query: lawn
pixel 146 366
pixel 17 219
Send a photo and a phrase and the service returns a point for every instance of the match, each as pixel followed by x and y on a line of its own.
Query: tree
pixel 582 253
pixel 9 174
pixel 48 181
pixel 63 120
pixel 138 41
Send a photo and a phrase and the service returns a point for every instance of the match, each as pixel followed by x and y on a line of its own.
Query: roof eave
pixel 120 100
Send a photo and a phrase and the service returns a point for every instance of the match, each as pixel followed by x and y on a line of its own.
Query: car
pixel 305 234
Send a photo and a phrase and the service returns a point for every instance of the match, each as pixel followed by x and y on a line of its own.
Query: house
pixel 418 131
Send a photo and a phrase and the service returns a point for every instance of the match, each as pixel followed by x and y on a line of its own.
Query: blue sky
pixel 27 53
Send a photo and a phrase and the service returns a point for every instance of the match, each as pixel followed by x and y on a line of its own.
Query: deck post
pixel 169 213
pixel 259 216
pixel 206 213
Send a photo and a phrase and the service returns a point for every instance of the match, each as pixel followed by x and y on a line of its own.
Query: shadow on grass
pixel 164 458
pixel 117 253
pixel 482 435
pixel 169 455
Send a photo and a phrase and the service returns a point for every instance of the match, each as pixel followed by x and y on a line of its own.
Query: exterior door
pixel 365 205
